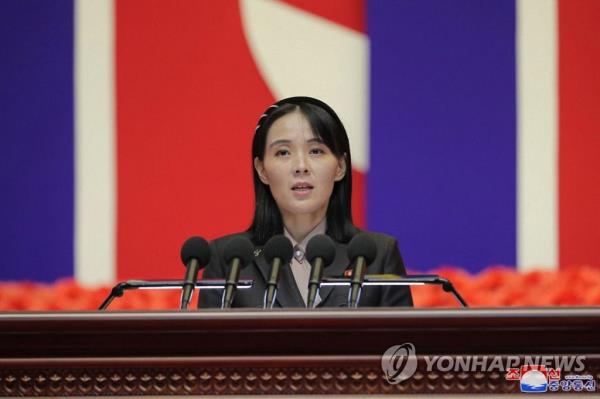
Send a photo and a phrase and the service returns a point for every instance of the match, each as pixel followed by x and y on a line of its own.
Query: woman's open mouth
pixel 302 188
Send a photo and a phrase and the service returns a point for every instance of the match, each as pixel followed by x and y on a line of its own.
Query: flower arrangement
pixel 495 286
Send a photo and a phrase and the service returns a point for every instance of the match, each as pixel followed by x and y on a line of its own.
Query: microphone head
pixel 279 246
pixel 239 247
pixel 321 246
pixel 362 245
pixel 195 247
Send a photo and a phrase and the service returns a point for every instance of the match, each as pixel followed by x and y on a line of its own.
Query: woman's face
pixel 299 168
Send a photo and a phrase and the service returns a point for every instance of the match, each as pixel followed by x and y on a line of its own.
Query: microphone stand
pixel 119 289
pixel 393 279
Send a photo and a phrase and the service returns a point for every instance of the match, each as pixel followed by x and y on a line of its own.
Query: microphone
pixel 238 254
pixel 362 250
pixel 320 253
pixel 278 252
pixel 195 254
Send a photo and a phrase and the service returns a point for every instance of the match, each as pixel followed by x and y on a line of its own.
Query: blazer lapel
pixel 261 263
pixel 336 269
pixel 288 294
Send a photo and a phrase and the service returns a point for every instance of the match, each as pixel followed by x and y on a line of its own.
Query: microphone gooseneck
pixel 278 252
pixel 320 253
pixel 362 251
pixel 195 254
pixel 238 254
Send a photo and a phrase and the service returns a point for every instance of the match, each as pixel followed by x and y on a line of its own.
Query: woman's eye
pixel 281 153
pixel 317 151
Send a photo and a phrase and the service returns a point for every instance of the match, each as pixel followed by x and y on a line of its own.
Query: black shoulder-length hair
pixel 328 127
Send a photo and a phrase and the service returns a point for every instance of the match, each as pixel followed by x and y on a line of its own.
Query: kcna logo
pixel 399 362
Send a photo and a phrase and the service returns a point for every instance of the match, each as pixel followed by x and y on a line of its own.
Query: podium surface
pixel 247 351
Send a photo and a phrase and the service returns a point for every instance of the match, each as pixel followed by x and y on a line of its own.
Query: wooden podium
pixel 257 352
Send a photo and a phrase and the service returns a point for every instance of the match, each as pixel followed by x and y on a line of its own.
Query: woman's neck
pixel 300 225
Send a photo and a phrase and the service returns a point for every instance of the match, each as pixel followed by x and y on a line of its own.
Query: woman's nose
pixel 300 165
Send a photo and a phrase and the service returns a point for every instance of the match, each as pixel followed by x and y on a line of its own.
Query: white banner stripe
pixel 302 54
pixel 94 142
pixel 537 137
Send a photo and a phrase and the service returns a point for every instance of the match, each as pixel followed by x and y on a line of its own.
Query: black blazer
pixel 388 260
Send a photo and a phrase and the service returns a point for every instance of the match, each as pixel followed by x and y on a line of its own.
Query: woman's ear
pixel 341 168
pixel 260 169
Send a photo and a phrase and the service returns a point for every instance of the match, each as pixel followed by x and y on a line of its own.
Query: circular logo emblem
pixel 399 362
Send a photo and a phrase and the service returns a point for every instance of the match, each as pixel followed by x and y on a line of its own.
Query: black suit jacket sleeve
pixel 211 298
pixel 393 264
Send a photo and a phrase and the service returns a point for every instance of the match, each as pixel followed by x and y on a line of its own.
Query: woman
pixel 303 187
